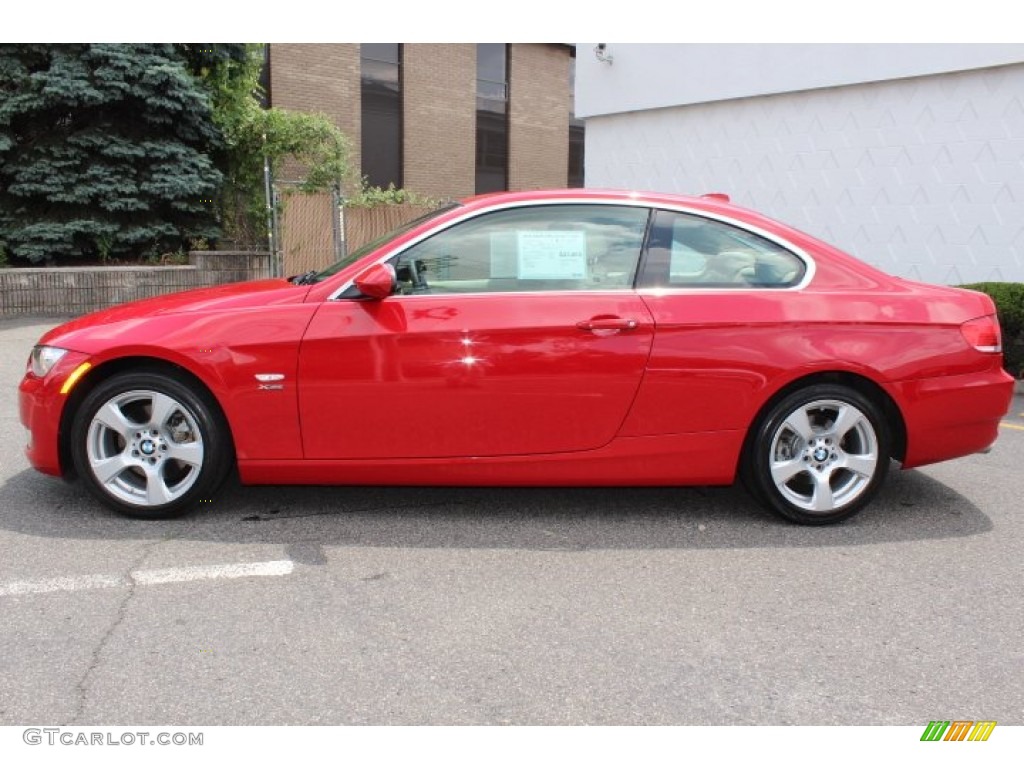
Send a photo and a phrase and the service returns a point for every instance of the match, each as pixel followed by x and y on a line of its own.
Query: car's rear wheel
pixel 819 455
pixel 149 445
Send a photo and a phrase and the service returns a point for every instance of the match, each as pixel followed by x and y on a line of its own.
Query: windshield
pixel 371 246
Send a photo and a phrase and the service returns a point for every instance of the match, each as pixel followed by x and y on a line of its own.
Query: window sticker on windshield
pixel 552 255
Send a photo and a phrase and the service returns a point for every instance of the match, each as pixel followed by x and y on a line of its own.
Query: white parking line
pixel 148 577
pixel 63 584
pixel 196 573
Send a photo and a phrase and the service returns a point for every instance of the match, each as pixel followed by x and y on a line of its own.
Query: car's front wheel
pixel 819 455
pixel 147 444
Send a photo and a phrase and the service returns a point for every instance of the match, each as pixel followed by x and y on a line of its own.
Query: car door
pixel 516 331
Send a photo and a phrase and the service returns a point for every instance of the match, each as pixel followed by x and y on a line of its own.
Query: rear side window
pixel 571 247
pixel 689 251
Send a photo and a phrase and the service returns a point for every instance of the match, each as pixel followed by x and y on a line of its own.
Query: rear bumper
pixel 952 416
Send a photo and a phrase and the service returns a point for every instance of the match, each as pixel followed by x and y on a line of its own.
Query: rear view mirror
pixel 376 282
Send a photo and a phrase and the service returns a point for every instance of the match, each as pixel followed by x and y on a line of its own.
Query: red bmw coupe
pixel 574 337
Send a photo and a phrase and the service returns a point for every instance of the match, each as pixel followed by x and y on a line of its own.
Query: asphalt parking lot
pixel 525 606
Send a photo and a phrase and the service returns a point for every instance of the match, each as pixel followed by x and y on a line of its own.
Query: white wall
pixel 651 76
pixel 922 176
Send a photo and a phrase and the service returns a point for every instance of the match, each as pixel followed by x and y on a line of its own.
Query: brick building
pixel 443 120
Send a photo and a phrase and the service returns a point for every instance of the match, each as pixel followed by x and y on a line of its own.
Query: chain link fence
pixel 363 225
pixel 307 229
pixel 312 231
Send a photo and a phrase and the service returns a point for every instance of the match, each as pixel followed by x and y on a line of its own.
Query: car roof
pixel 712 202
pixel 611 195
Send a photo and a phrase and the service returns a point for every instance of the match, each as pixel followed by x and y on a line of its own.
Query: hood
pixel 198 301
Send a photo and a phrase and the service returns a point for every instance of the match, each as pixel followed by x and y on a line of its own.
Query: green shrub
pixel 1009 301
pixel 370 197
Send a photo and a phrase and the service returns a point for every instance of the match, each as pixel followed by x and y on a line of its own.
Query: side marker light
pixel 76 374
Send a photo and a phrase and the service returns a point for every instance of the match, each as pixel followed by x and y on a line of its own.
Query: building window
pixel 491 117
pixel 381 67
pixel 263 95
pixel 576 131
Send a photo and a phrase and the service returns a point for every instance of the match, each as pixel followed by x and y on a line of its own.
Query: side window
pixel 574 247
pixel 688 250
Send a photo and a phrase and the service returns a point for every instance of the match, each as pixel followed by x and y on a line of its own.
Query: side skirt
pixel 704 458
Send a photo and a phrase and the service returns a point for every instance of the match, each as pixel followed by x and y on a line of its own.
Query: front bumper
pixel 41 406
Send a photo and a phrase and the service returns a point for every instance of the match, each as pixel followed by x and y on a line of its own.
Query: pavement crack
pixel 82 687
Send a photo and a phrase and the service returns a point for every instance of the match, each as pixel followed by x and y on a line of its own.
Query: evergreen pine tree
pixel 105 151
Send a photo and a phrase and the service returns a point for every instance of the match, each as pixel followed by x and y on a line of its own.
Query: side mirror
pixel 376 282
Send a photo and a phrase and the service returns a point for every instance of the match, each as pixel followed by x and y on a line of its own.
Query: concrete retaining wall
pixel 77 290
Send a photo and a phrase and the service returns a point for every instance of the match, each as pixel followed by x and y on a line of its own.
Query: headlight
pixel 44 358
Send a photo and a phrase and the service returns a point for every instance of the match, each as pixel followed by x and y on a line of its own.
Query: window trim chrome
pixel 800 253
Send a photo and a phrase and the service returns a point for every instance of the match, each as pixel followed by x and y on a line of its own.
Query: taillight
pixel 982 333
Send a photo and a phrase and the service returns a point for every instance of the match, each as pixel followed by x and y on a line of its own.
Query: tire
pixel 819 455
pixel 147 444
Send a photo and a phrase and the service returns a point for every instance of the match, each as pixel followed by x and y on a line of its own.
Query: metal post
pixel 275 219
pixel 269 195
pixel 340 246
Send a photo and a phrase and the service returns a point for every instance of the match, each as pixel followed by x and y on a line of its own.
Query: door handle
pixel 607 325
